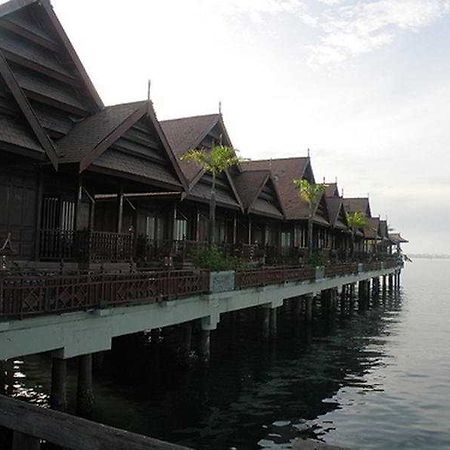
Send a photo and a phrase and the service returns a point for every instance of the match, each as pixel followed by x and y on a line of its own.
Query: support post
pixel 58 399
pixel 309 308
pixel 266 322
pixel 120 209
pixel 187 339
pixel 205 345
pixel 273 322
pixel 85 393
pixel 208 323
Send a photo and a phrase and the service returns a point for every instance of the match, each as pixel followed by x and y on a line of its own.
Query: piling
pixel 273 322
pixel 308 308
pixel 58 400
pixel 85 392
pixel 266 322
pixel 205 345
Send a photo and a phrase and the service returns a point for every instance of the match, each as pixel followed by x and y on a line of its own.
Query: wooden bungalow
pixel 248 205
pixel 193 213
pixel 293 238
pixel 340 232
pixel 264 210
pixel 396 241
pixel 70 165
pixel 358 204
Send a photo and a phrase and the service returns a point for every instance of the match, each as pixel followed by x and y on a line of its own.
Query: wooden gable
pixel 226 194
pixel 139 154
pixel 45 66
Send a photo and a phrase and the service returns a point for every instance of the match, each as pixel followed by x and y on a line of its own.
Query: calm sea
pixel 378 379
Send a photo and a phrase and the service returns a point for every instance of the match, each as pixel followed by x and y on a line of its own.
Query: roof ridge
pixel 276 159
pixel 191 117
pixel 137 102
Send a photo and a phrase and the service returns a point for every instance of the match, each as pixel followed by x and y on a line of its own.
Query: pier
pixel 78 317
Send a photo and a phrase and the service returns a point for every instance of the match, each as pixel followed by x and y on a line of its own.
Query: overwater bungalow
pixel 396 241
pixel 294 231
pixel 340 231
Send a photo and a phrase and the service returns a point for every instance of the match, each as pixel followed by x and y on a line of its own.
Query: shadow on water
pixel 253 394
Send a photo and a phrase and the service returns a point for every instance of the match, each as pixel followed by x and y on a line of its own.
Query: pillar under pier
pixel 205 345
pixel 273 322
pixel 266 322
pixel 308 307
pixel 58 400
pixel 85 392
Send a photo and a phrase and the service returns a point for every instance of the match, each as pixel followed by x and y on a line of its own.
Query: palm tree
pixel 355 221
pixel 311 193
pixel 214 161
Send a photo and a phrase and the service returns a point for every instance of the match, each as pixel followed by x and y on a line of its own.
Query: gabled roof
pixel 331 190
pixel 40 66
pixel 46 18
pixel 187 133
pixel 384 229
pixel 397 239
pixel 357 205
pixel 284 171
pixel 371 229
pixel 336 212
pixel 249 185
pixel 88 141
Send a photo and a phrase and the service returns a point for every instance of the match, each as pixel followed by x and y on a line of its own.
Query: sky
pixel 365 85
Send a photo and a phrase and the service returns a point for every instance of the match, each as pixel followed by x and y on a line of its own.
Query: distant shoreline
pixel 424 256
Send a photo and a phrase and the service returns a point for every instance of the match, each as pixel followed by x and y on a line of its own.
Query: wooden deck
pixel 31 424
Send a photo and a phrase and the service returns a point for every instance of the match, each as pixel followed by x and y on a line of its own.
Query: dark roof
pixel 384 229
pixel 141 169
pixel 331 190
pixel 397 239
pixel 357 205
pixel 249 185
pixel 202 192
pixel 89 133
pixel 15 132
pixel 371 229
pixel 185 134
pixel 334 207
pixel 283 172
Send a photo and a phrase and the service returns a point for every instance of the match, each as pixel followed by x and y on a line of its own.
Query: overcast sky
pixel 364 84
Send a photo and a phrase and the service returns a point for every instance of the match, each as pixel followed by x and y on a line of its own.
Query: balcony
pixel 85 246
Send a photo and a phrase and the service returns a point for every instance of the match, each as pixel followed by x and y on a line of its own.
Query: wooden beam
pixel 120 209
pixel 26 109
pixel 30 35
pixel 72 432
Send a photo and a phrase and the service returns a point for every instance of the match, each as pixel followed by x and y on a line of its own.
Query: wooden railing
pixel 276 275
pixel 31 423
pixel 29 295
pixel 23 296
pixel 86 245
pixel 336 270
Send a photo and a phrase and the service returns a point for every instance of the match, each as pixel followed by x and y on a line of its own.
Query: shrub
pixel 214 259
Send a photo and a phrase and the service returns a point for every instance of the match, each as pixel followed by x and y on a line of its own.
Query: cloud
pixel 350 28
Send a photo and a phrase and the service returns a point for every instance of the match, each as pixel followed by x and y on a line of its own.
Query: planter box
pixel 222 281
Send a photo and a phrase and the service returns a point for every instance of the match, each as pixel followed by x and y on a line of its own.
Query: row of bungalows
pixel 81 182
